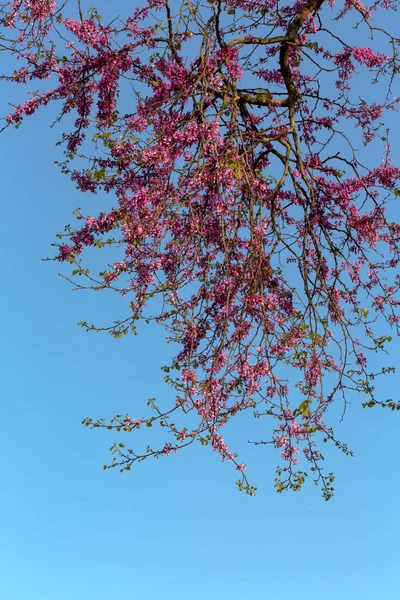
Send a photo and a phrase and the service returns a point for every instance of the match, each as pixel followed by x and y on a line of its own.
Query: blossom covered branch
pixel 245 222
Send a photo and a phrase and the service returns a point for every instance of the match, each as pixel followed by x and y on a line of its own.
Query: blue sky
pixel 172 528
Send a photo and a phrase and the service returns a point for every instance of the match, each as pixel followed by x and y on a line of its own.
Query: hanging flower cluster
pixel 246 223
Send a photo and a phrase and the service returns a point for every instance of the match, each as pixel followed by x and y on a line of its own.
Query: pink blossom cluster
pixel 243 221
pixel 40 10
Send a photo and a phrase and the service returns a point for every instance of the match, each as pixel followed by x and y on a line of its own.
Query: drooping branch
pixel 246 223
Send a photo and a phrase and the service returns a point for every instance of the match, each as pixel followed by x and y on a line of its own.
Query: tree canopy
pixel 250 220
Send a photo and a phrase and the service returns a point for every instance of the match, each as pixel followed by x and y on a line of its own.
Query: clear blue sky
pixel 170 529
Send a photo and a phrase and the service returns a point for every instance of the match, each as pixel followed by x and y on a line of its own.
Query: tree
pixel 246 221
